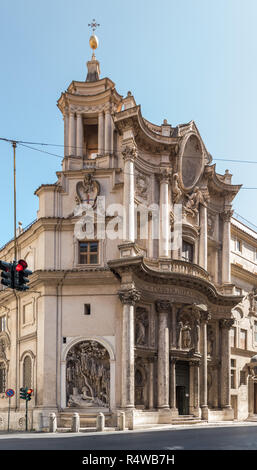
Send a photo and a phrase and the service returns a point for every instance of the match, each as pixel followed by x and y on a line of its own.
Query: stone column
pixel 79 135
pixel 163 308
pixel 108 130
pixel 129 154
pixel 173 385
pixel 128 298
pixel 226 264
pixel 72 136
pixel 203 237
pixel 164 240
pixel 66 133
pixel 174 309
pixel 225 325
pixel 101 133
pixel 150 235
pixel 205 317
pixel 196 388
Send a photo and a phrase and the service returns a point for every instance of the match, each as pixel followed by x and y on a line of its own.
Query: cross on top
pixel 93 25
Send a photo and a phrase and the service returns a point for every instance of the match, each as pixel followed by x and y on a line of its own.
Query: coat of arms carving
pixel 87 191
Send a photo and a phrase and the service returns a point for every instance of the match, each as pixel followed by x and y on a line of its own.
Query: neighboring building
pixel 123 322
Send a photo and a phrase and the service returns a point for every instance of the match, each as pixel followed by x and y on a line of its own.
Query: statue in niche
pixel 142 323
pixel 139 388
pixel 88 375
pixel 252 296
pixel 179 329
pixel 210 340
pixel 186 336
pixel 176 191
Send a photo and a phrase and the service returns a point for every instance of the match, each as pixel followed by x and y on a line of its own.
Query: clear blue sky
pixel 182 60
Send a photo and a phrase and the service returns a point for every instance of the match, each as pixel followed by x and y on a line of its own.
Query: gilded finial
pixel 93 41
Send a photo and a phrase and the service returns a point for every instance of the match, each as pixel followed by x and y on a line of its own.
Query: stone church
pixel 140 299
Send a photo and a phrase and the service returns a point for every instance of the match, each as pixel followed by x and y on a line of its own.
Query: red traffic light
pixel 30 391
pixel 22 265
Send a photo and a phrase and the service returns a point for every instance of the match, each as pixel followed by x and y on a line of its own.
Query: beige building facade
pixel 142 297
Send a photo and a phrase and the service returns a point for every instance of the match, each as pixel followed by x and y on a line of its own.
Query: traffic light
pixel 23 393
pixel 7 274
pixel 20 275
pixel 29 393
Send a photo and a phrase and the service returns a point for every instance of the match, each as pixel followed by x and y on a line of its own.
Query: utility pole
pixel 14 143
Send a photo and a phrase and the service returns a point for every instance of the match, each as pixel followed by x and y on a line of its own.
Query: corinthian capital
pixel 165 174
pixel 129 153
pixel 227 323
pixel 226 215
pixel 130 296
pixel 162 306
pixel 205 317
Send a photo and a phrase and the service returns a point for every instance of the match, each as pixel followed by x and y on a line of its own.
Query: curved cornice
pixel 132 118
pixel 217 185
pixel 138 266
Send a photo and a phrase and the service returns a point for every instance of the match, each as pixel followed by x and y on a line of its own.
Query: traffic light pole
pixel 26 415
pixel 14 198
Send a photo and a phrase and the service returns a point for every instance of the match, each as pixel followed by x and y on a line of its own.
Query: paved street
pixel 235 437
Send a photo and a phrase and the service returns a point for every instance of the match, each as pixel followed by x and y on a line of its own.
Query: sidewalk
pixel 163 427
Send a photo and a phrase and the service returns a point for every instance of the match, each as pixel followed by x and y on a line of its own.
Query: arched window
pixel 2 377
pixel 27 372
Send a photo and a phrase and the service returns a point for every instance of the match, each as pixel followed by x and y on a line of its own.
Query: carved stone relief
pixel 87 191
pixel 141 186
pixel 88 375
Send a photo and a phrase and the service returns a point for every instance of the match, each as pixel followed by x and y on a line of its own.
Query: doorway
pixel 182 388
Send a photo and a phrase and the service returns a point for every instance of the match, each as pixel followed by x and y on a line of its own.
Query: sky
pixel 182 60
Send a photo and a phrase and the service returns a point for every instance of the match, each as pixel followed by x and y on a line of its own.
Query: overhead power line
pixel 24 144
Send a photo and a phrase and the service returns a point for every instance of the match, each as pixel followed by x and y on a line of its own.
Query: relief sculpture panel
pixel 88 375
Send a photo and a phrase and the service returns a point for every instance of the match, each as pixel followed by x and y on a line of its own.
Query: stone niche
pixel 88 375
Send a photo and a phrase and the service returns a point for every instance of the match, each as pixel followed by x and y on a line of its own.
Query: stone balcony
pixel 178 267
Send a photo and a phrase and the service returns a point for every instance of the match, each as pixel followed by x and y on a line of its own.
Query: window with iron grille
pixel 233 373
pixel 27 372
pixel 2 377
pixel 88 252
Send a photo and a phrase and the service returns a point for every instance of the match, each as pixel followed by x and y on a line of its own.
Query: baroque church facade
pixel 159 328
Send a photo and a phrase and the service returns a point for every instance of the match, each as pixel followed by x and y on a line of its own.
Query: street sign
pixel 9 392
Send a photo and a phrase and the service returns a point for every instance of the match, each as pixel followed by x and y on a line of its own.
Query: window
pixel 233 373
pixel 88 252
pixel 187 252
pixel 233 337
pixel 27 372
pixel 242 377
pixel 238 245
pixel 2 323
pixel 243 339
pixel 87 309
pixel 2 377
